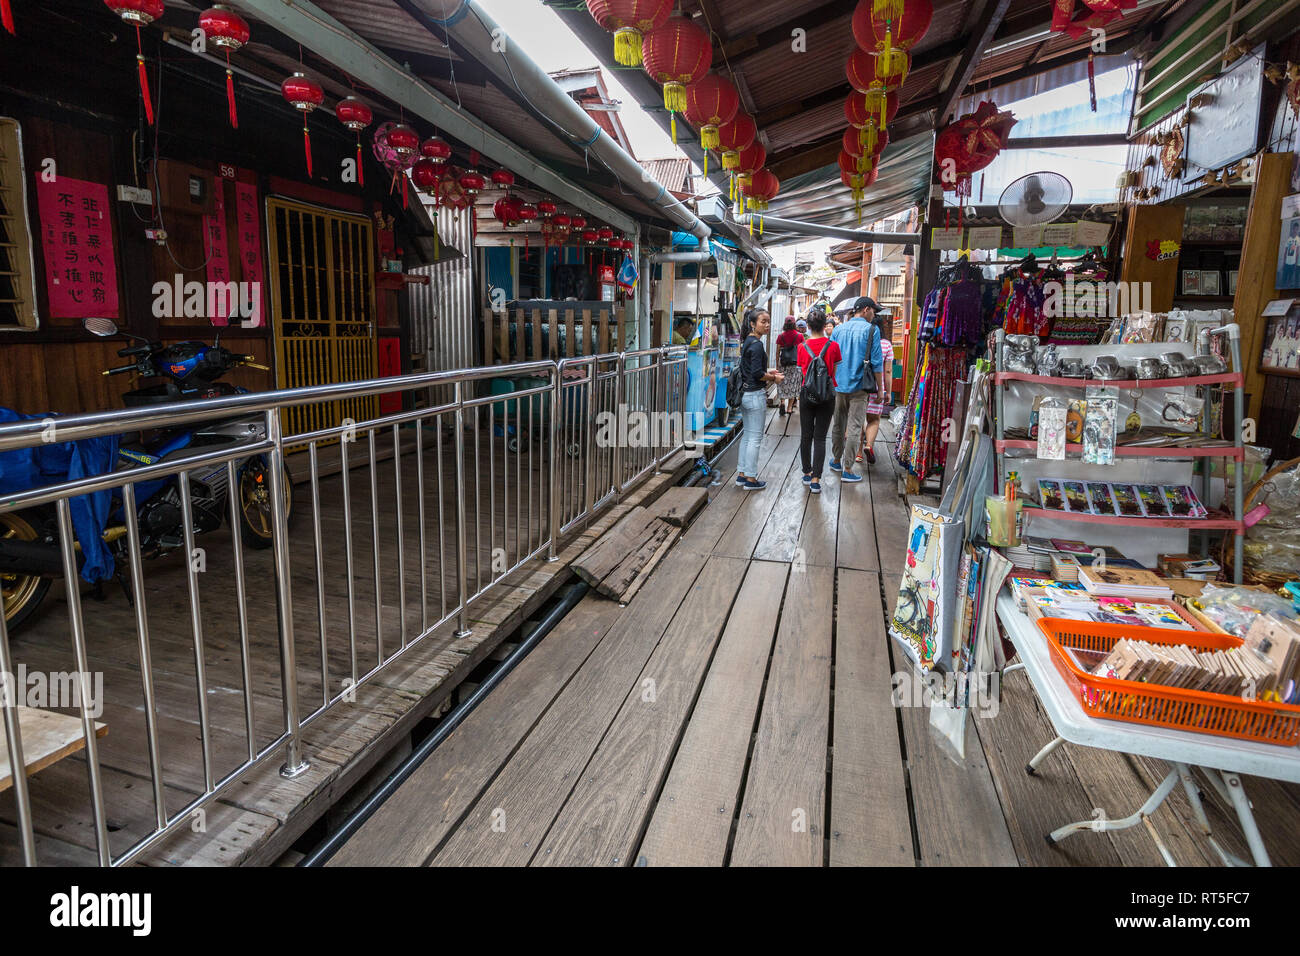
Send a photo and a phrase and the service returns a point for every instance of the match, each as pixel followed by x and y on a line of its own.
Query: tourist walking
pixel 816 410
pixel 860 354
pixel 754 376
pixel 878 404
pixel 787 343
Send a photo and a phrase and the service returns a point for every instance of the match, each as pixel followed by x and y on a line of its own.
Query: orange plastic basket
pixel 1174 707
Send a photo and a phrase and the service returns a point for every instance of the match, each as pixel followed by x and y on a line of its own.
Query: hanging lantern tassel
pixel 230 95
pixel 674 102
pixel 437 253
pixel 867 137
pixel 405 179
pixel 7 17
pixel 889 9
pixel 144 76
pixel 306 144
pixel 706 164
pixel 1092 83
pixel 627 46
pixel 361 172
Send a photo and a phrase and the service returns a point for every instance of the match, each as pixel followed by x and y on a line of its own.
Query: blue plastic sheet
pixel 53 462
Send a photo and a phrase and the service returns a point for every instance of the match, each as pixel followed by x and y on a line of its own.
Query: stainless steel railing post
pixel 9 694
pixel 462 556
pixel 553 466
pixel 294 761
pixel 589 449
pixel 620 397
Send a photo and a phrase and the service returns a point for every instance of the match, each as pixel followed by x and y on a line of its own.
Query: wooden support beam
pixel 981 33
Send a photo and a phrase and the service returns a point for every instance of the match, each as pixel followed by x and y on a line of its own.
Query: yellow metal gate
pixel 322 307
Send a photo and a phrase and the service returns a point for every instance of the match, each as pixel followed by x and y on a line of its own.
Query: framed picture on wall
pixel 1209 283
pixel 1191 282
pixel 1288 253
pixel 1282 344
pixel 1232 282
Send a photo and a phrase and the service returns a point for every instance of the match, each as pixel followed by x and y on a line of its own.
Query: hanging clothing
pixel 1024 312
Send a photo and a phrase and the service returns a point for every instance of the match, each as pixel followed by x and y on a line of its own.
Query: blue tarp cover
pixel 54 462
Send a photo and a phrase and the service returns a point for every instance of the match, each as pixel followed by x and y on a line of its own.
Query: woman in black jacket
pixel 754 376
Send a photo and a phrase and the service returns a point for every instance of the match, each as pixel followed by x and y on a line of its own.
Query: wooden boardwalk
pixel 738 712
pixel 259 818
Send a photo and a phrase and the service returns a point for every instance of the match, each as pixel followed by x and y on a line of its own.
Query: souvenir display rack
pixel 1235 452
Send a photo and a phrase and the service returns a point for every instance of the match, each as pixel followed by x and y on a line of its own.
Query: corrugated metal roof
pixel 820 197
pixel 672 174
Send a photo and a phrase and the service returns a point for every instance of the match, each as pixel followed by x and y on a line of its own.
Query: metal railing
pixel 458 495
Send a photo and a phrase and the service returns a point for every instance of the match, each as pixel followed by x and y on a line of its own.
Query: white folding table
pixel 1221 759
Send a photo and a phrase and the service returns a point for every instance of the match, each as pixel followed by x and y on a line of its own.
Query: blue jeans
pixel 753 406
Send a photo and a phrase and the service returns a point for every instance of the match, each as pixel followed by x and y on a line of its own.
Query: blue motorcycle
pixel 30 557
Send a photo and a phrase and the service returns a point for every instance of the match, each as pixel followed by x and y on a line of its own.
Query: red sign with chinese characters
pixel 77 239
pixel 249 225
pixel 218 255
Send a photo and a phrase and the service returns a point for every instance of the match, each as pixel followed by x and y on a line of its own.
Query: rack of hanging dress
pixel 954 318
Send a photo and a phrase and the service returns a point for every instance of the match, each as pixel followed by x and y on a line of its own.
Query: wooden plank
pixel 570 335
pixel 47 737
pixel 588 333
pixel 782 816
pixel 781 532
pixel 415 820
pixel 604 817
pixel 944 789
pixel 537 335
pixel 744 531
pixel 489 335
pixel 603 347
pixel 553 334
pixel 819 534
pixel 679 505
pixel 691 822
pixel 512 816
pixel 870 822
pixel 1038 804
pixel 856 540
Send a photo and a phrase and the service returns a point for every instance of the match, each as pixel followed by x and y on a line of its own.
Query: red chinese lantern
pixel 870 113
pixel 1093 15
pixel 436 150
pixel 967 145
pixel 734 137
pixel 426 177
pixel 589 236
pixel 356 116
pixel 710 103
pixel 677 54
pixel 561 221
pixel 227 31
pixel 862 71
pixel 137 13
pixel 304 96
pixel 604 234
pixel 750 158
pixel 629 21
pixel 578 223
pixel 404 142
pixel 760 191
pixel 506 210
pixel 472 182
pixel 546 209
pixel 7 17
pixel 503 177
pixel 889 28
pixel 852 144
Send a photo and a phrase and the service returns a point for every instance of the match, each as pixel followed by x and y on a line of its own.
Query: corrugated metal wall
pixel 442 312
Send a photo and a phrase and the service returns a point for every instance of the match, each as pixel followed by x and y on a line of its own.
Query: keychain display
pixel 1051 429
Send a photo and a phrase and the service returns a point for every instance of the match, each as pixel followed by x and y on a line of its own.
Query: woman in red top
pixel 815 419
pixel 787 345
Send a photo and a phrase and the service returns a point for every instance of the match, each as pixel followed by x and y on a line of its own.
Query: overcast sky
pixel 547 40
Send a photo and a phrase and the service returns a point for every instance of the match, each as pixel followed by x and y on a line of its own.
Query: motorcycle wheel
pixel 255 515
pixel 23 593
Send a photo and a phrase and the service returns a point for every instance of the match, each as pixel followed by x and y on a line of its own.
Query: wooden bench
pixel 47 738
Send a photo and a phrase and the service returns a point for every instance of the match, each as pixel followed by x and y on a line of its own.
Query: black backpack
pixel 816 388
pixel 789 355
pixel 734 392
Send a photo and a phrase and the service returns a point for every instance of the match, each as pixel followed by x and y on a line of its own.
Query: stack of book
pixel 1115 581
pixel 1034 554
